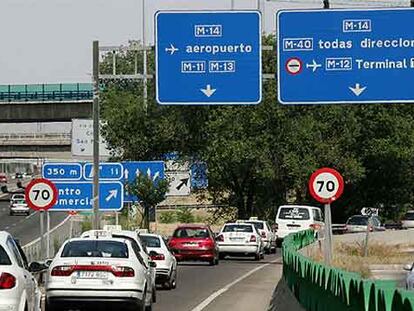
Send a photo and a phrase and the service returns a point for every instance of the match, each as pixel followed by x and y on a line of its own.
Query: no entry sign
pixel 326 185
pixel 41 194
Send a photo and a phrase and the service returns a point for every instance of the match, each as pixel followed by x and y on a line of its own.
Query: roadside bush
pixel 168 217
pixel 184 215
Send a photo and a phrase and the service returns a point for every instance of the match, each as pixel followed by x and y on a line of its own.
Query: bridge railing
pixel 323 288
pixel 46 92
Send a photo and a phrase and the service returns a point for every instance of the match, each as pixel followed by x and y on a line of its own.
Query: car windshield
pixel 296 213
pixel 257 224
pixel 151 241
pixel 409 216
pixel 19 201
pixel 358 221
pixel 191 233
pixel 4 258
pixel 95 248
pixel 238 228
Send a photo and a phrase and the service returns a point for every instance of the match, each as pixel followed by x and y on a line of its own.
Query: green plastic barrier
pixel 323 288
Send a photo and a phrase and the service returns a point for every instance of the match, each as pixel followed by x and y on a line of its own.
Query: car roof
pixel 151 235
pixel 3 236
pixel 299 206
pixel 99 239
pixel 239 224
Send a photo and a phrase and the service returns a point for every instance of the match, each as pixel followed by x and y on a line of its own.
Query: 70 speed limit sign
pixel 41 194
pixel 326 185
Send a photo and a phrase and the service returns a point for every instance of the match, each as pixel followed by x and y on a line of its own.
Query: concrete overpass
pixel 35 146
pixel 45 102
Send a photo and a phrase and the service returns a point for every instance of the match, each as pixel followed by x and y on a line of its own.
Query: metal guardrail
pixel 324 288
pixel 46 92
pixel 58 235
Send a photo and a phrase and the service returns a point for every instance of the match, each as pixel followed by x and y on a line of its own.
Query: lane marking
pixel 216 294
pixel 31 215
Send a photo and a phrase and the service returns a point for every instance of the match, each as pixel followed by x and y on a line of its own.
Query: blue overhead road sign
pixel 345 56
pixel 208 57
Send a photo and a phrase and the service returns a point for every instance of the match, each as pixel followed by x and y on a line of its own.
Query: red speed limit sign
pixel 41 194
pixel 326 185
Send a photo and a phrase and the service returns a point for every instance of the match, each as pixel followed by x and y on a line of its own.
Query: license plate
pixel 190 244
pixel 237 239
pixel 92 275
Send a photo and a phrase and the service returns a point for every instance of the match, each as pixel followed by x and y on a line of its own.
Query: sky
pixel 49 41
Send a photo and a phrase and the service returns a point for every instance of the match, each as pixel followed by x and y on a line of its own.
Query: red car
pixel 194 243
pixel 3 178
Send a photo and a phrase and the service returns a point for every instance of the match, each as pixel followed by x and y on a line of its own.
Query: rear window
pixel 237 228
pixel 19 201
pixel 151 241
pixel 95 248
pixel 296 213
pixel 409 216
pixel 258 225
pixel 191 233
pixel 358 221
pixel 4 258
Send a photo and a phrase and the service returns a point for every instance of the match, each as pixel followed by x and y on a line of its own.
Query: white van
pixel 294 218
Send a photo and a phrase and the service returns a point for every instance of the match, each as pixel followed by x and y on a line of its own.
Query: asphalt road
pixel 24 228
pixel 238 284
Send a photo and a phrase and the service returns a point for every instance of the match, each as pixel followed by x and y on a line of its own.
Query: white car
pixel 19 206
pixel 240 239
pixel 166 271
pixel 294 218
pixel 98 271
pixel 117 232
pixel 18 287
pixel 267 234
pixel 408 220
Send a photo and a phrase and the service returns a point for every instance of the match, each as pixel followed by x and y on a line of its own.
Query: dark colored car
pixel 194 243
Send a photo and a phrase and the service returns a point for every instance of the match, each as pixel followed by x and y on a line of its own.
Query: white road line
pixel 216 294
pixel 31 215
pixel 7 228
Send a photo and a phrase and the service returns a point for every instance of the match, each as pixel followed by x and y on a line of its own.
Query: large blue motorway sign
pixel 345 56
pixel 208 57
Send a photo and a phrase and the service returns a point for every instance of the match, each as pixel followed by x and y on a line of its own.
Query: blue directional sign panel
pixel 208 57
pixel 62 171
pixel 345 56
pixel 154 169
pixel 107 171
pixel 75 189
pixel 78 196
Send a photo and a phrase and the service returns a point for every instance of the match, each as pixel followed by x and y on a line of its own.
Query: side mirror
pixel 152 264
pixel 407 267
pixel 35 267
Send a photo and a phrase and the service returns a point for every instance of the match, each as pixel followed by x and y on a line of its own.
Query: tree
pixel 149 192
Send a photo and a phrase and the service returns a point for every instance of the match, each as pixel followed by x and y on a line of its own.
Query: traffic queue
pixel 121 268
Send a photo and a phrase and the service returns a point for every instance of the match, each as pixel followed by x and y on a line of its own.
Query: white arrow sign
pixel 172 49
pixel 208 91
pixel 112 194
pixel 314 66
pixel 126 174
pixel 357 90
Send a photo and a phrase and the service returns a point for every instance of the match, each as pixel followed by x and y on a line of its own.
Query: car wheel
pixel 50 307
pixel 11 213
pixel 216 261
pixel 257 257
pixel 212 262
pixel 222 256
pixel 273 250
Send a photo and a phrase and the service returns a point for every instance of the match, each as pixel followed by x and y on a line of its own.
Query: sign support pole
pixel 328 235
pixel 47 234
pixel 42 233
pixel 95 51
pixel 367 237
pixel 145 80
